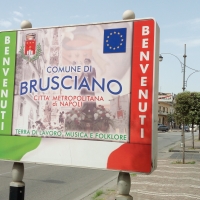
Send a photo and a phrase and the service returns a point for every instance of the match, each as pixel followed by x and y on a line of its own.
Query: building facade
pixel 165 109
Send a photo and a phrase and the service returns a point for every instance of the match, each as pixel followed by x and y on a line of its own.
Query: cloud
pixel 16 19
pixel 18 14
pixel 5 23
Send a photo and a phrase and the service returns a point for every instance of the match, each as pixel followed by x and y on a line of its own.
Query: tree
pixel 170 119
pixel 195 110
pixel 182 107
pixel 187 109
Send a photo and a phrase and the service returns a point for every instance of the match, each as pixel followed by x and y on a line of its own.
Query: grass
pixel 97 194
pixel 102 195
pixel 110 190
pixel 181 162
pixel 192 162
pixel 170 149
pixel 191 148
pixel 132 174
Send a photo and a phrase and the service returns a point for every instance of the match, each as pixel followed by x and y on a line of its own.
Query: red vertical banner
pixel 142 82
pixel 139 151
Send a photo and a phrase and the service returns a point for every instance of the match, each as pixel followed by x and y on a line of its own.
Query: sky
pixel 179 22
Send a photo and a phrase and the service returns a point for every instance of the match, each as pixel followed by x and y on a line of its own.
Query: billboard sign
pixel 168 97
pixel 80 95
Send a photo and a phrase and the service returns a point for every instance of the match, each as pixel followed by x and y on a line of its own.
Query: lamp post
pixel 183 68
pixel 189 76
pixel 184 65
pixel 183 129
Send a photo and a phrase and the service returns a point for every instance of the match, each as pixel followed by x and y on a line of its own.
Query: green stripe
pixel 7 65
pixel 14 147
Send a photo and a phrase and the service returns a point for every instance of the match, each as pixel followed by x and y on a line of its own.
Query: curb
pixel 185 151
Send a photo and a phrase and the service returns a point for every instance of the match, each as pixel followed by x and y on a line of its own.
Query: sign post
pixel 83 96
pixel 17 186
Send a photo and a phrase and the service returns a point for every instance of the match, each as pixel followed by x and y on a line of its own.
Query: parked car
pixel 195 128
pixel 163 128
pixel 187 128
pixel 181 126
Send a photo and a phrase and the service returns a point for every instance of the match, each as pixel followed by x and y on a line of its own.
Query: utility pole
pixel 184 64
pixel 183 129
pixel 184 85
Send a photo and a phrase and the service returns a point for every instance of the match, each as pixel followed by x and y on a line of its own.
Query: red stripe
pixel 135 121
pixel 136 155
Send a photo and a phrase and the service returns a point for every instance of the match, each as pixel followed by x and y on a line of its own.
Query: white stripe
pixel 167 194
pixel 164 185
pixel 178 167
pixel 188 172
pixel 163 160
pixel 167 177
pixel 161 163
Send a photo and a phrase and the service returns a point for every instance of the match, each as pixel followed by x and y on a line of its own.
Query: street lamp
pixel 160 58
pixel 189 76
pixel 184 64
pixel 185 82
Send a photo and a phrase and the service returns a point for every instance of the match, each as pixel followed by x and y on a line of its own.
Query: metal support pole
pixel 17 187
pixel 123 186
pixel 183 141
pixel 183 129
pixel 184 56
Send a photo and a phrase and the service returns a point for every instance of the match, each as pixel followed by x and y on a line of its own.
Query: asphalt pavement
pixel 49 182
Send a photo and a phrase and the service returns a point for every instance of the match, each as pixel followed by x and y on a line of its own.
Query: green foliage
pixel 133 174
pixel 97 194
pixel 187 107
pixel 180 162
pixel 171 149
pixel 170 117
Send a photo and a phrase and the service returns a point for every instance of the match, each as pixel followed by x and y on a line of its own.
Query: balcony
pixel 161 112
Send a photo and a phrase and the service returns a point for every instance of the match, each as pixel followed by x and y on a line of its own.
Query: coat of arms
pixel 31 50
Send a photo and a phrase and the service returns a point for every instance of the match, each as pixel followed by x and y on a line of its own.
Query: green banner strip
pixel 7 76
pixel 14 147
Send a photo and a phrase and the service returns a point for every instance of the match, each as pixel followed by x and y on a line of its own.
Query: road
pixel 44 182
pixel 166 139
pixel 60 183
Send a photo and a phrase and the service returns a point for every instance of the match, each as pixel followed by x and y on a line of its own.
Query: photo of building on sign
pixel 67 85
